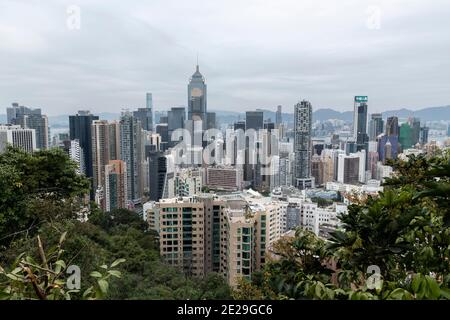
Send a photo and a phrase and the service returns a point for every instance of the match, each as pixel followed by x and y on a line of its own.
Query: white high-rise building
pixel 16 136
pixel 29 118
pixel 76 153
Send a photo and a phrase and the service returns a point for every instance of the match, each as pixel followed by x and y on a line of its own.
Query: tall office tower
pixel 372 163
pixel 278 117
pixel 17 136
pixel 424 135
pixel 317 169
pixel 211 120
pixel 328 167
pixel 29 118
pixel 145 115
pixel 348 169
pixel 302 144
pixel 254 120
pixel 392 128
pixel 100 155
pixel 176 118
pixel 197 106
pixel 406 136
pixel 76 153
pixel 131 150
pixel 115 185
pixel 157 163
pixel 393 147
pixel 360 122
pixel 375 126
pixel 285 171
pixel 414 123
pixel 11 113
pixel 80 129
pixel 114 140
pixel 163 130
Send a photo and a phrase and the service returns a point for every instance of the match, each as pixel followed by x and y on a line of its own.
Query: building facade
pixel 302 144
pixel 132 151
pixel 18 137
pixel 197 103
pixel 115 177
pixel 80 129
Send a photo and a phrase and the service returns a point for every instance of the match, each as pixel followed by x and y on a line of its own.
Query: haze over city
pixel 254 54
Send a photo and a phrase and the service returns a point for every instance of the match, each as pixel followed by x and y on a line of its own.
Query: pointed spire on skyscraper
pixel 197 63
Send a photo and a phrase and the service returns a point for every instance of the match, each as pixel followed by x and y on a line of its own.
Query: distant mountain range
pixel 426 114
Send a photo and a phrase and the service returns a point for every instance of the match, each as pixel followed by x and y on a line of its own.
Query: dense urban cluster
pixel 220 203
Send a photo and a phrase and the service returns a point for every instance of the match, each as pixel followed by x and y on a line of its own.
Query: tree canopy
pixel 40 200
pixel 403 233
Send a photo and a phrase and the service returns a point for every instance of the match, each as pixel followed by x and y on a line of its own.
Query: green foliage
pixel 44 279
pixel 30 185
pixel 39 195
pixel 404 231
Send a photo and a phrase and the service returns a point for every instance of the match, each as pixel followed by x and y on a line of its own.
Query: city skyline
pixel 261 64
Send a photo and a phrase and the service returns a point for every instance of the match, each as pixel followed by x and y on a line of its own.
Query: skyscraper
pixel 176 118
pixel 131 149
pixel 115 185
pixel 348 168
pixel 197 106
pixel 114 140
pixel 414 123
pixel 29 118
pixel 17 136
pixel 278 117
pixel 406 136
pixel 392 128
pixel 157 163
pixel 393 147
pixel 100 154
pixel 145 115
pixel 254 120
pixel 317 169
pixel 360 122
pixel 80 129
pixel 375 126
pixel 424 135
pixel 76 154
pixel 302 144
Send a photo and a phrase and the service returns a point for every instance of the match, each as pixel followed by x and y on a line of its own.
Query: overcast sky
pixel 253 53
